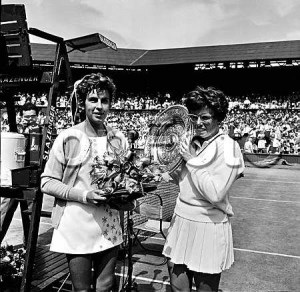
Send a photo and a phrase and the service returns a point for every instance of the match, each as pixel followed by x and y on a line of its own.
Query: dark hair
pixel 28 106
pixel 94 81
pixel 209 97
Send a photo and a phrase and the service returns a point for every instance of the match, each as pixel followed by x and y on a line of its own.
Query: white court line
pixel 253 251
pixel 151 280
pixel 239 249
pixel 266 200
pixel 146 279
pixel 273 181
pixel 268 253
pixel 249 250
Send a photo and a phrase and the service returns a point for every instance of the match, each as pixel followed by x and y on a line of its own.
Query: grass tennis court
pixel 266 230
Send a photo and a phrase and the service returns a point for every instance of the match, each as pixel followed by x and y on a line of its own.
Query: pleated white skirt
pixel 203 247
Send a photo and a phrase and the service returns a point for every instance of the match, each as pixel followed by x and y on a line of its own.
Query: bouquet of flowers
pixel 122 172
pixel 11 267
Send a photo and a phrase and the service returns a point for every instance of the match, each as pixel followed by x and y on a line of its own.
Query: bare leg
pixel 180 277
pixel 80 270
pixel 104 265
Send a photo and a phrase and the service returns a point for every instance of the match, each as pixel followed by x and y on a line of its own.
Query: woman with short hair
pixel 86 228
pixel 199 242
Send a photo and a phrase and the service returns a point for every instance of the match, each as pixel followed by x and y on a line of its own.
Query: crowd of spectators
pixel 140 101
pixel 63 114
pixel 260 131
pixel 260 123
pixel 265 101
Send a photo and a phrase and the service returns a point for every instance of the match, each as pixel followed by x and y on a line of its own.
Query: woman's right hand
pixel 96 197
pixel 184 149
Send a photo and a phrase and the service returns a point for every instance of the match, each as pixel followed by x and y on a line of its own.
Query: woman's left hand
pixel 96 197
pixel 184 149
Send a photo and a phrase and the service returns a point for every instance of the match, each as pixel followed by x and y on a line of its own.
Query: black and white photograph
pixel 149 146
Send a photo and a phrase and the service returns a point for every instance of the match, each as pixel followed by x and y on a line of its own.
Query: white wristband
pixel 84 200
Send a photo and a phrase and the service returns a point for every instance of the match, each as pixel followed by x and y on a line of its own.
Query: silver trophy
pixel 169 128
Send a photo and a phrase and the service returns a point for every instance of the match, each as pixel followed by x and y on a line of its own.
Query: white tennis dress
pixel 85 228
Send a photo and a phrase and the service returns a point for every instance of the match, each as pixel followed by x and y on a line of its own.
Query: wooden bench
pixel 49 269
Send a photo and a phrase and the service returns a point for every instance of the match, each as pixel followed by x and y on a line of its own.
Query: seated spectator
pixel 254 145
pixel 261 143
pixel 29 114
pixel 247 102
pixel 44 100
pixel 275 144
pixel 248 146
